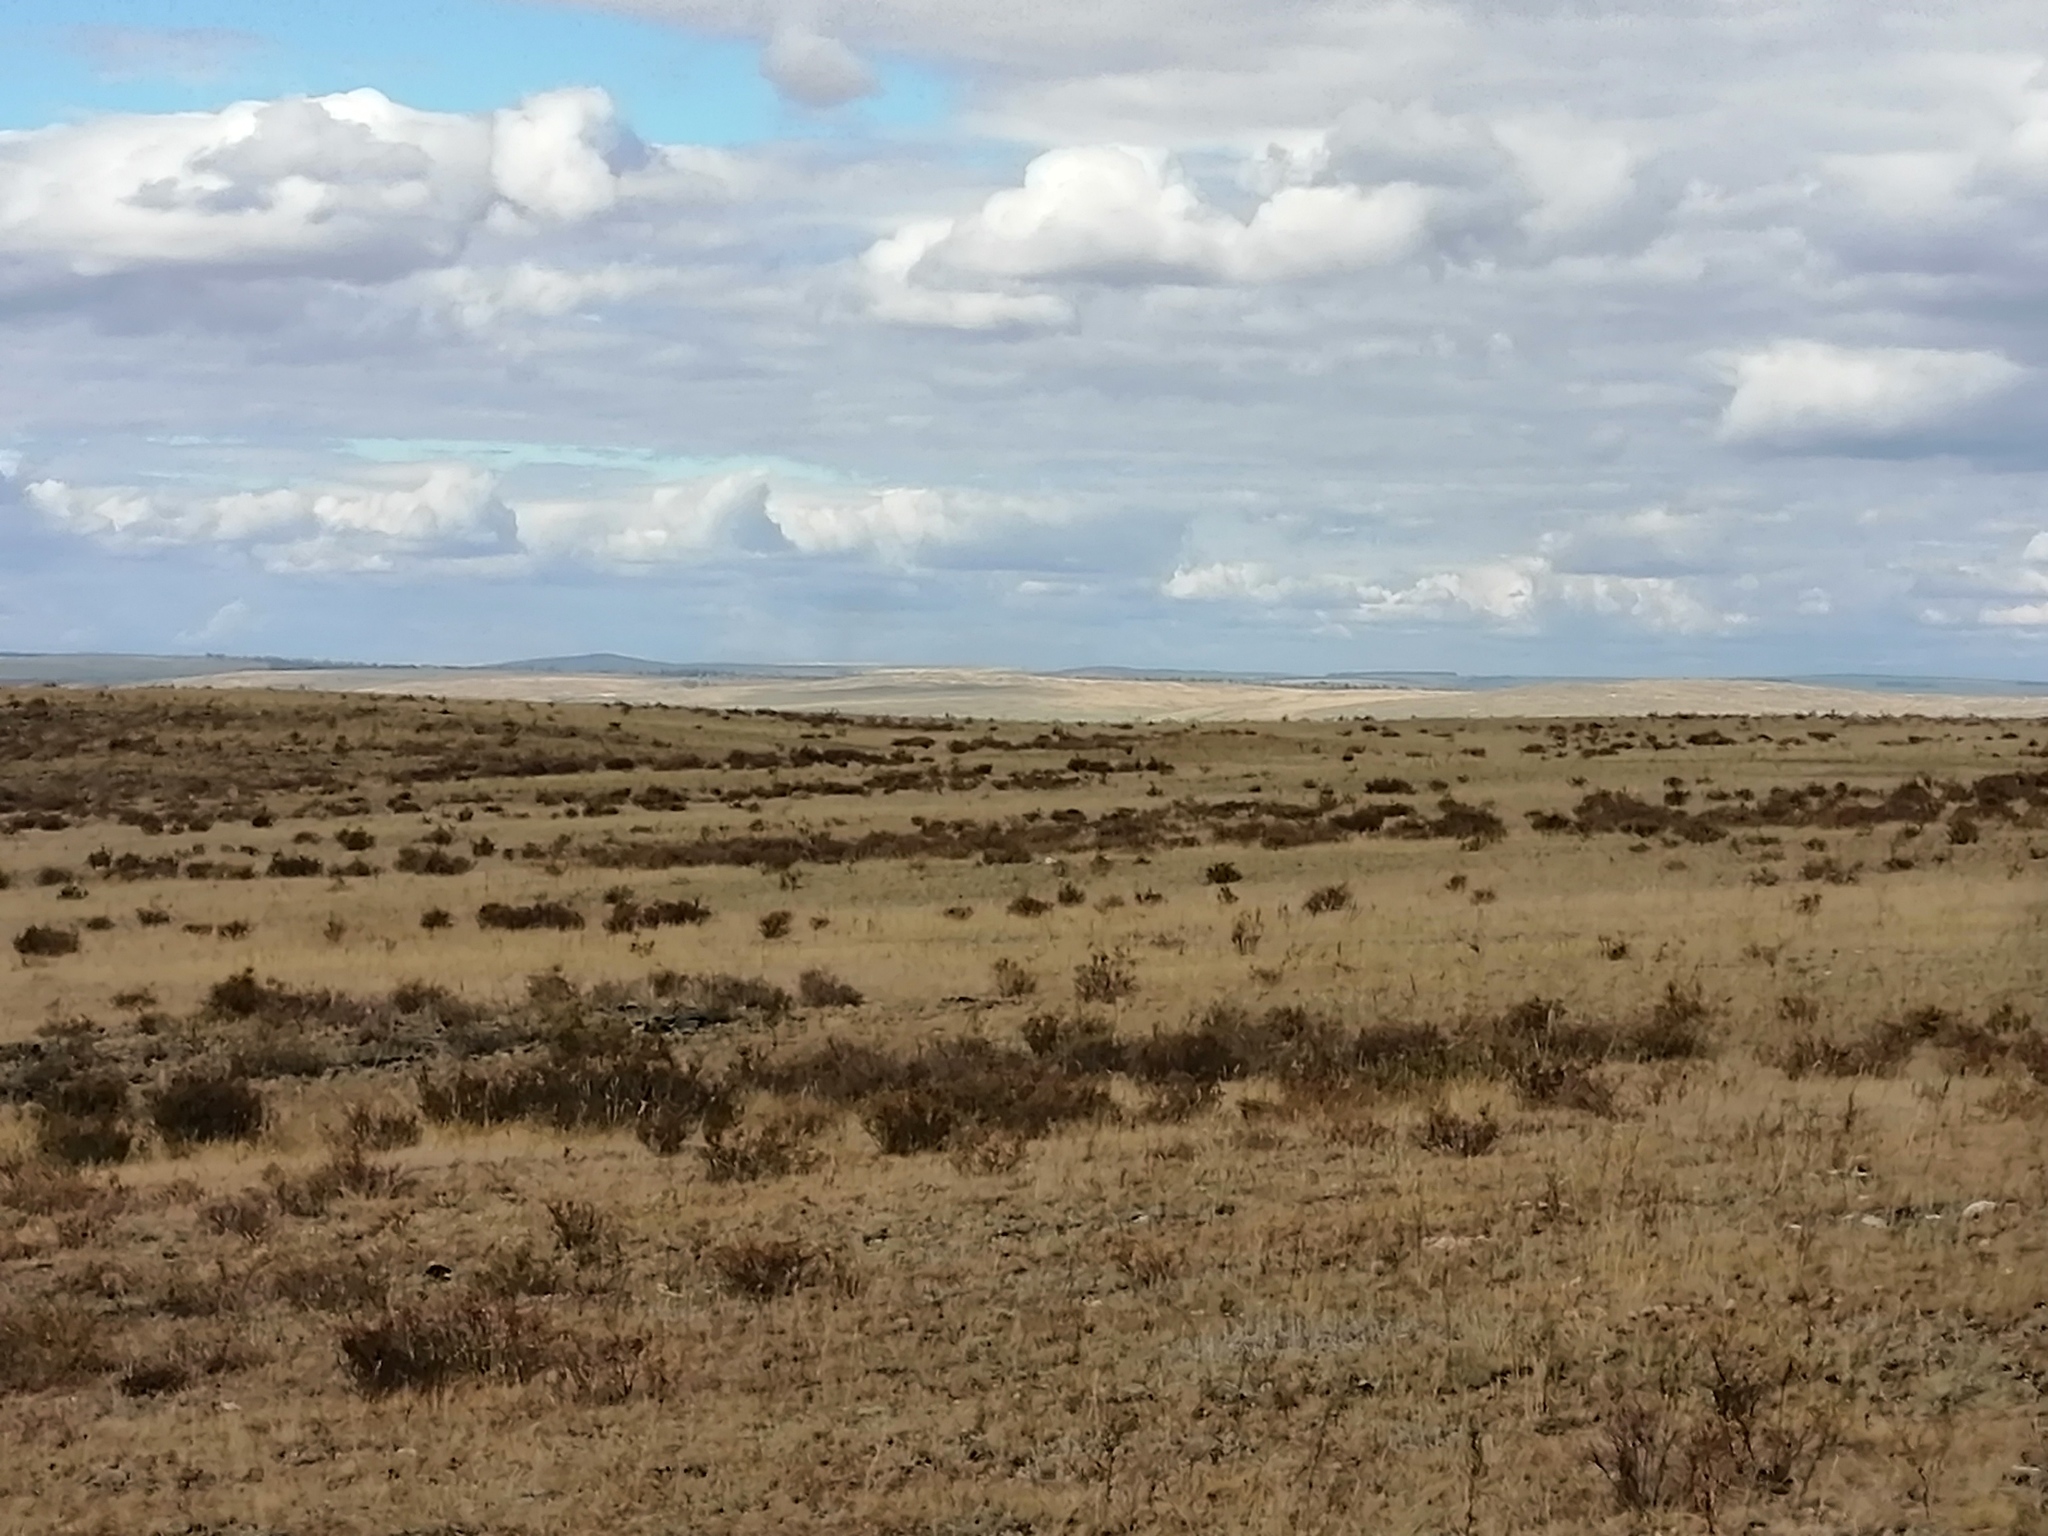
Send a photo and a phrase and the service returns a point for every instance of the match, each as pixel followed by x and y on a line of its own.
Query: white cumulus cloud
pixel 1114 211
pixel 352 185
pixel 412 512
pixel 1795 393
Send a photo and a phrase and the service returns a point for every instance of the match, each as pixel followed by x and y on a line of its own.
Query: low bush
pixel 1328 898
pixel 822 989
pixel 1106 976
pixel 1011 979
pixel 431 1343
pixel 908 1120
pixel 589 1236
pixel 1459 1135
pixel 594 1076
pixel 776 925
pixel 42 941
pixel 415 860
pixel 763 1268
pixel 555 915
pixel 773 1150
pixel 49 1344
pixel 379 1130
pixel 207 1104
pixel 84 1140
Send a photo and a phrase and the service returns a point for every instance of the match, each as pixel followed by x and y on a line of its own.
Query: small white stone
pixel 1978 1208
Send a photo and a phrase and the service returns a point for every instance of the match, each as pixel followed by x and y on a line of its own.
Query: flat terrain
pixel 988 694
pixel 505 1116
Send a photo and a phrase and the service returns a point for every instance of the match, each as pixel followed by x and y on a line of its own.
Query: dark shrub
pixel 1011 979
pixel 287 866
pixel 597 1075
pixel 1444 1131
pixel 1082 1044
pixel 50 1344
pixel 1222 873
pixel 415 860
pixel 1566 1085
pixel 687 912
pixel 40 941
pixel 431 1343
pixel 909 1120
pixel 355 840
pixel 1106 976
pixel 770 1151
pixel 589 1236
pixel 1029 906
pixel 1397 1056
pixel 379 1130
pixel 82 1140
pixel 1675 1030
pixel 154 1378
pixel 1328 898
pixel 776 925
pixel 247 1215
pixel 207 1104
pixel 1878 1052
pixel 764 1268
pixel 821 989
pixel 555 915
pixel 434 919
pixel 719 998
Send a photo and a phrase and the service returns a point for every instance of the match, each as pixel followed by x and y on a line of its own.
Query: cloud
pixel 230 618
pixel 1797 394
pixel 1117 213
pixel 457 516
pixel 1393 322
pixel 558 155
pixel 479 298
pixel 813 70
pixel 189 55
pixel 409 513
pixel 352 186
pixel 887 269
pixel 1517 594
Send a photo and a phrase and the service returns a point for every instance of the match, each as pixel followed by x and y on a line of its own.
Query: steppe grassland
pixel 1708 1259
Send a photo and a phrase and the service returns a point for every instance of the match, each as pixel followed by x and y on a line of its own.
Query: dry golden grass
pixel 1190 1239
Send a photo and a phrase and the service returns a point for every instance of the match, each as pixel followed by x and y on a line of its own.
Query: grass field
pixel 514 1118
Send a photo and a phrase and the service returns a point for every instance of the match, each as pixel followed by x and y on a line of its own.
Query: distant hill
pixel 109 669
pixel 113 667
pixel 611 664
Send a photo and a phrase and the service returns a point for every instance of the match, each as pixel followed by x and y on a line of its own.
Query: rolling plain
pixel 425 1115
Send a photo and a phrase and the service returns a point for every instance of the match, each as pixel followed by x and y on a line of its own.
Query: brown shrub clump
pixel 207 1104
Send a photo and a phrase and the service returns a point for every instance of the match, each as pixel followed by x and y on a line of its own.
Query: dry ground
pixel 1538 1125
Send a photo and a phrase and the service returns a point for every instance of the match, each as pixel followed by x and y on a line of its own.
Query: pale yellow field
pixel 1205 1255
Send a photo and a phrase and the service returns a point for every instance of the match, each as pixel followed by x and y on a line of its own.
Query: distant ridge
pixel 88 668
pixel 611 664
pixel 113 669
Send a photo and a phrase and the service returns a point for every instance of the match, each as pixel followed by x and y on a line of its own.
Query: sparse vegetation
pixel 1587 1206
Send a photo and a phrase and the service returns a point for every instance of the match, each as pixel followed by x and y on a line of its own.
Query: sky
pixel 1590 337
